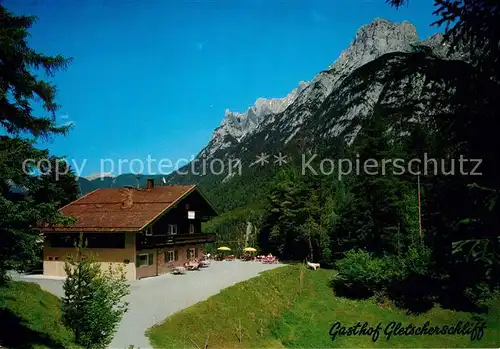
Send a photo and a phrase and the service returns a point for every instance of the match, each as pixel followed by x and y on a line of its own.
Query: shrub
pixel 326 257
pixel 415 261
pixel 360 274
pixel 479 296
pixel 411 287
pixel 403 278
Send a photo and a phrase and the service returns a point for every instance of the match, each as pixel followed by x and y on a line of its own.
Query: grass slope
pixel 31 318
pixel 291 307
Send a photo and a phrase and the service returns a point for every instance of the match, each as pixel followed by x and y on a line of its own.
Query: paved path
pixel 154 299
pixel 52 285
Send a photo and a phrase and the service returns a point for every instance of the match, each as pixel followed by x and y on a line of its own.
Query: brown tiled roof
pixel 107 210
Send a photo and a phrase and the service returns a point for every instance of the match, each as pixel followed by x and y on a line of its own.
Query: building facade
pixel 146 231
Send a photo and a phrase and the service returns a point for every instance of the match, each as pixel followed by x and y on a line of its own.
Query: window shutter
pixel 195 253
pixel 176 255
pixel 150 259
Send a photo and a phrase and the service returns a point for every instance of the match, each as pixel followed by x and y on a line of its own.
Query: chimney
pixel 127 198
pixel 138 178
pixel 150 183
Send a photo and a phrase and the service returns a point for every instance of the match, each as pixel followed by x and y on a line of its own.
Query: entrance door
pixel 145 264
pixel 192 253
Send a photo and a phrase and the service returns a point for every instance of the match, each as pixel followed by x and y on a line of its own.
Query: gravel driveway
pixel 154 299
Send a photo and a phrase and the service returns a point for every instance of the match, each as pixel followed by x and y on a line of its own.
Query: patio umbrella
pixel 250 249
pixel 224 248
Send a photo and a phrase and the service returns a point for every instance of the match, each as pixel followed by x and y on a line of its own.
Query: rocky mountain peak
pixel 375 39
pixel 261 108
pixel 237 125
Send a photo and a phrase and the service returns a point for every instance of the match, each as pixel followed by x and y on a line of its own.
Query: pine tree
pixel 58 182
pixel 293 225
pixel 21 210
pixel 374 216
pixel 93 304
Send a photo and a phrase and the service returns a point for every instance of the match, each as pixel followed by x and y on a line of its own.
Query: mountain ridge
pixel 235 126
pixel 371 41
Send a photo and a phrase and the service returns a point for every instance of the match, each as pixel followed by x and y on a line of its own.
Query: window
pixel 62 240
pixel 105 240
pixel 143 260
pixel 187 206
pixel 170 256
pixel 149 231
pixel 191 228
pixel 172 229
pixel 93 240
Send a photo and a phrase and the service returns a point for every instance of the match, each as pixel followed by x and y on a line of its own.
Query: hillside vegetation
pixel 292 307
pixel 31 318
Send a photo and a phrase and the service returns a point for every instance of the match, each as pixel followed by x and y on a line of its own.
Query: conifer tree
pixel 93 303
pixel 21 209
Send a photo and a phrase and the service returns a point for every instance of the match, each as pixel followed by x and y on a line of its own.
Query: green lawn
pixel 31 318
pixel 291 307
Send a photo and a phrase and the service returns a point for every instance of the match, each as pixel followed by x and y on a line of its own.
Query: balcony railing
pixel 144 241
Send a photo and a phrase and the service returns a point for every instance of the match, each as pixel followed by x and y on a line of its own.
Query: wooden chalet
pixel 148 231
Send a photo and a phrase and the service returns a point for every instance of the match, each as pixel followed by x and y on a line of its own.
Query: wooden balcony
pixel 145 242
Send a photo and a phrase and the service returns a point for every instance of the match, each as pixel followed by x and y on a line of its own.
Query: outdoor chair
pixel 178 270
pixel 192 265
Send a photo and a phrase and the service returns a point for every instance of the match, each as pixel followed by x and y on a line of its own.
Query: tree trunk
pixel 311 251
pixel 248 232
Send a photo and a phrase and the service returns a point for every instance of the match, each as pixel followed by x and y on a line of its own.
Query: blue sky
pixel 154 77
